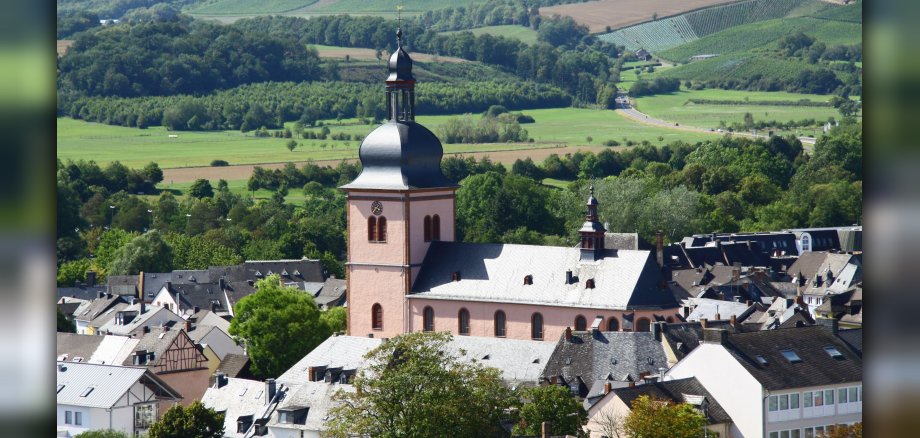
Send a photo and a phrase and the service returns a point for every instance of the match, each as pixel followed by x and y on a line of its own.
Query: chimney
pixel 656 330
pixel 143 307
pixel 715 336
pixel 686 310
pixel 736 273
pixel 659 248
pixel 734 321
pixel 100 294
pixel 607 388
pixel 134 301
pixel 661 371
pixel 568 277
pixel 90 278
pixel 108 295
pixel 188 326
pixel 169 285
pixel 704 322
pixel 831 323
pixel 146 329
pixel 553 380
pixel 221 283
pixel 455 276
pixel 214 306
pixel 545 429
pixel 749 303
pixel 140 286
pixel 196 309
pixel 269 390
pixel 632 384
pixel 220 379
pixel 568 334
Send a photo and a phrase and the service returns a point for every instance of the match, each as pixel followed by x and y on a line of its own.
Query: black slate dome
pixel 400 154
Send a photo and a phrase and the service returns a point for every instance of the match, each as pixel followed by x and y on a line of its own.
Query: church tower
pixel 397 206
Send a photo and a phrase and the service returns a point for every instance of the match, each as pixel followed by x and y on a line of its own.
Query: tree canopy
pixel 653 418
pixel 147 252
pixel 279 325
pixel 415 387
pixel 552 403
pixel 194 420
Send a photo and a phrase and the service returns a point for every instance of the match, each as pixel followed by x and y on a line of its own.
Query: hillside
pixel 670 32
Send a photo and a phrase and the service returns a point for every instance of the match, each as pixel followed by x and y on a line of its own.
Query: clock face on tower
pixel 377 208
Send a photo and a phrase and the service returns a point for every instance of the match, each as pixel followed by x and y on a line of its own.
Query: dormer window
pixel 259 274
pixel 296 273
pixel 285 273
pixel 528 279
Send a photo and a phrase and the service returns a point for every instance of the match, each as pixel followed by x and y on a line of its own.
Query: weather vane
pixel 399 8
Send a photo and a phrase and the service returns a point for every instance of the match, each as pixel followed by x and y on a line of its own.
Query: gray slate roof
pixel 817 367
pixel 614 356
pixel 109 383
pixel 495 272
pixel 317 396
pixel 707 308
pixel 74 345
pixel 234 402
pixel 520 361
pixel 81 292
pixel 346 352
pixel 98 306
pixel 675 391
pixel 154 342
pixel 332 293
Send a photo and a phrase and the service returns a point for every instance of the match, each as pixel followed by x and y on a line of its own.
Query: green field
pixel 239 7
pixel 520 33
pixel 238 186
pixel 136 147
pixel 364 6
pixel 676 107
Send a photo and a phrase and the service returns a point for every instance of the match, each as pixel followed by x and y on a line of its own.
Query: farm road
pixel 625 109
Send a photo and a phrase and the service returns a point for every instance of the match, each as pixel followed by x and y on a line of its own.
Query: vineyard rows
pixel 673 31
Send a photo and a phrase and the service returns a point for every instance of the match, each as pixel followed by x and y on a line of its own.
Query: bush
pixel 219 163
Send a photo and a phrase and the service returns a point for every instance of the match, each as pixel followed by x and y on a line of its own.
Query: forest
pixel 725 185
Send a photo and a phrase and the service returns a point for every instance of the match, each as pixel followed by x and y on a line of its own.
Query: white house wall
pixel 729 383
pixel 281 432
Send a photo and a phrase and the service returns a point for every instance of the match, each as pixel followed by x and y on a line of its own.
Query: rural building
pixel 95 396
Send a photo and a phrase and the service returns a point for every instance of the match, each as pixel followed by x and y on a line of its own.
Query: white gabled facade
pixel 801 412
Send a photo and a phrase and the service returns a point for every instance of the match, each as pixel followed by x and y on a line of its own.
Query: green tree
pixel 103 433
pixel 552 403
pixel 147 252
pixel 291 145
pixel 279 326
pixel 69 273
pixel 652 418
pixel 201 188
pixel 63 324
pixel 415 387
pixel 195 420
pixel 336 319
pixel 109 243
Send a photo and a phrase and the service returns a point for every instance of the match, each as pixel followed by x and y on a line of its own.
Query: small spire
pixel 399 25
pixel 591 189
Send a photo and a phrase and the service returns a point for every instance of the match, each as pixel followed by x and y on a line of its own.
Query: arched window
pixel 436 227
pixel 643 325
pixel 536 326
pixel 382 229
pixel 428 228
pixel 428 319
pixel 463 322
pixel 377 316
pixel 499 324
pixel 581 324
pixel 613 325
pixel 372 229
pixel 806 243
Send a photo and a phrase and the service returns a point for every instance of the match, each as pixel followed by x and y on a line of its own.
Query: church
pixel 406 272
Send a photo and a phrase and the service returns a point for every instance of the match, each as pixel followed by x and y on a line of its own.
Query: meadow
pixel 136 147
pixel 677 107
pixel 386 6
pixel 520 33
pixel 238 7
pixel 613 14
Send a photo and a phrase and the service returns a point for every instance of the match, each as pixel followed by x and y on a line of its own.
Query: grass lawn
pixel 237 7
pixel 136 147
pixel 238 186
pixel 521 33
pixel 676 107
pixel 350 6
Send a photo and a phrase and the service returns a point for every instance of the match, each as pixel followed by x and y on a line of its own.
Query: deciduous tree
pixel 147 252
pixel 654 418
pixel 195 420
pixel 552 403
pixel 279 326
pixel 414 386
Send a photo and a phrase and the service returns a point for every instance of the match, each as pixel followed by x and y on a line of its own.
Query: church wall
pixel 518 316
pixel 418 209
pixel 360 250
pixel 369 285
